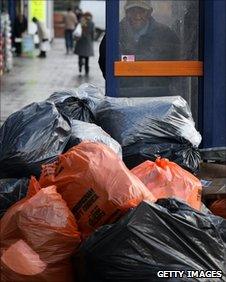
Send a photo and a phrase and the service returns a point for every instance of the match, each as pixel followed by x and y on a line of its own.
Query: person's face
pixel 138 17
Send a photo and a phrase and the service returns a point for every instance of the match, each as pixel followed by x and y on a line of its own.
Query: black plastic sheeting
pixel 79 103
pixel 168 235
pixel 83 131
pixel 11 191
pixel 184 154
pixel 151 127
pixel 30 137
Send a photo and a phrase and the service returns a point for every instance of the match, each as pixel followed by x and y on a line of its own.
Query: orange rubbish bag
pixel 166 179
pixel 95 183
pixel 218 207
pixel 38 237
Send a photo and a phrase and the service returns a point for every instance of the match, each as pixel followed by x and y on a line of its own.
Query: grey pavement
pixel 35 79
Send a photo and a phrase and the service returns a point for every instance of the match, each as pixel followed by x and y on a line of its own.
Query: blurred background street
pixel 33 80
pixel 27 78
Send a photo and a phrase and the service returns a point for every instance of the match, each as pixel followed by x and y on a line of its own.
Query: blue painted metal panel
pixel 12 10
pixel 112 45
pixel 214 98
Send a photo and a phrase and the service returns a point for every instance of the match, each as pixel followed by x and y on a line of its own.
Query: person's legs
pixel 18 48
pixel 67 40
pixel 80 63
pixel 42 54
pixel 70 37
pixel 87 65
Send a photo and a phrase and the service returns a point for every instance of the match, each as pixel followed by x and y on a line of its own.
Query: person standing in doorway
pixel 141 35
pixel 84 46
pixel 70 21
pixel 43 37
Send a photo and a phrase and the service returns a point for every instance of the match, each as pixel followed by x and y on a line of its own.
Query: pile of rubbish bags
pixel 88 177
pixel 38 237
pixel 150 127
pixel 168 235
pixel 72 210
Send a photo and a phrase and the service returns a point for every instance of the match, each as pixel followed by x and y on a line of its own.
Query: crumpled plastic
pixel 79 103
pixel 11 191
pixel 168 235
pixel 95 184
pixel 38 237
pixel 30 137
pixel 84 131
pixel 151 127
pixel 166 179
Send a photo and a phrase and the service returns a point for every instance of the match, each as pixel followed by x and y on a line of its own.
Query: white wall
pixel 98 9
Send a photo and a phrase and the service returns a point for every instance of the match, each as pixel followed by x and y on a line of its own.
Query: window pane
pixel 159 30
pixel 186 87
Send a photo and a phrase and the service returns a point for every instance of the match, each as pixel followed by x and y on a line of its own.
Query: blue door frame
pixel 212 100
pixel 112 46
pixel 214 89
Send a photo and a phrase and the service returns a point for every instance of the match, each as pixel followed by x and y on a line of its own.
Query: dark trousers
pixel 69 39
pixel 81 60
pixel 18 47
pixel 42 54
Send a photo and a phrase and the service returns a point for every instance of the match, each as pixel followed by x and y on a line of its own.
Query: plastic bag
pixel 95 184
pixel 78 104
pixel 218 207
pixel 77 33
pixel 168 180
pixel 146 127
pixel 93 94
pixel 38 237
pixel 11 191
pixel 154 237
pixel 184 154
pixel 84 131
pixel 45 46
pixel 30 137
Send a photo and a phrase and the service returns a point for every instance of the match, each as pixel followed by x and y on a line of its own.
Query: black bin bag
pixel 11 191
pixel 79 103
pixel 152 237
pixel 150 127
pixel 182 153
pixel 30 137
pixel 84 131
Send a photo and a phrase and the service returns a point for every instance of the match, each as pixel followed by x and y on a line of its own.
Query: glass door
pixel 158 49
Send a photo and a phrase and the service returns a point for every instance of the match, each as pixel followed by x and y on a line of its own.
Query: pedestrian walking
pixel 70 21
pixel 78 13
pixel 43 37
pixel 84 46
pixel 20 27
